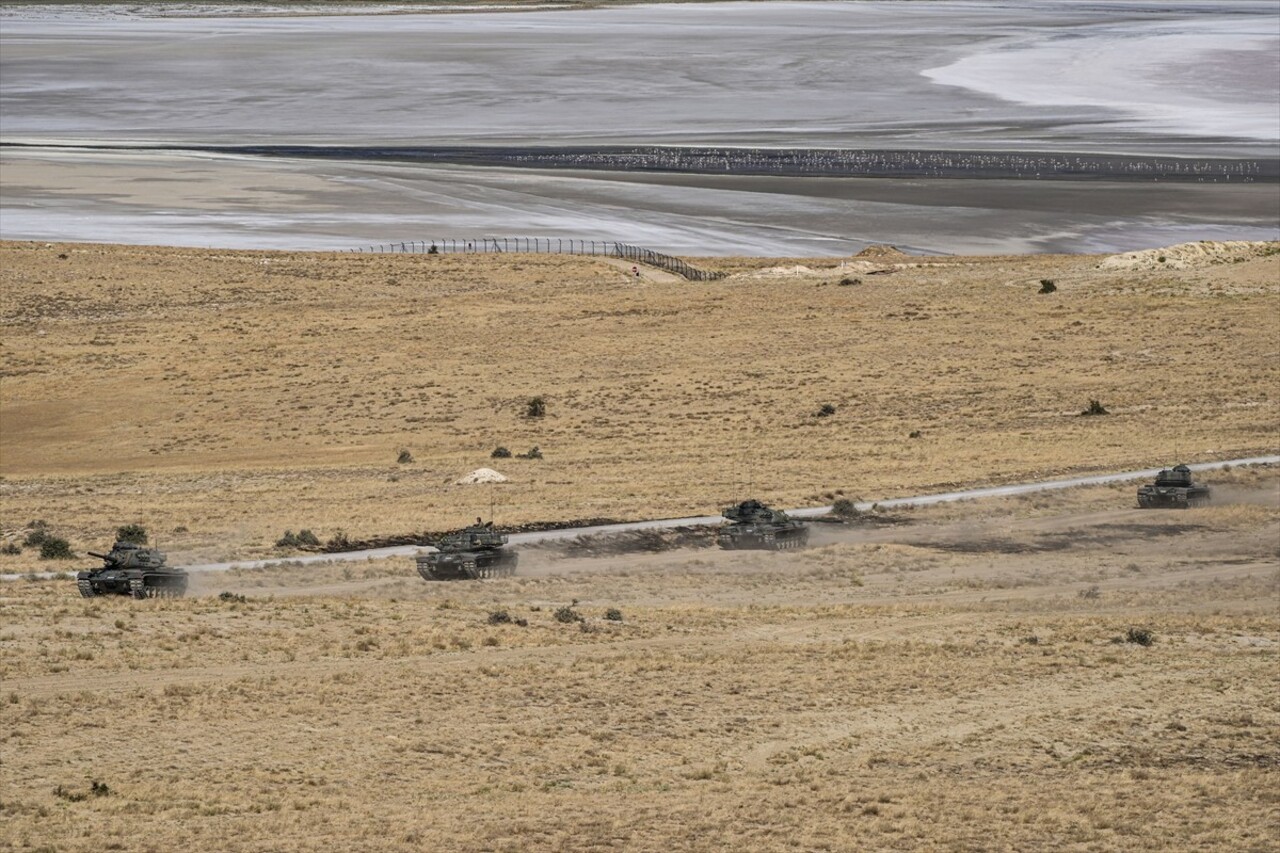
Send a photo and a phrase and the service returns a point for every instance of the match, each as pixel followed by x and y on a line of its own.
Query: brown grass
pixel 878 692
pixel 222 397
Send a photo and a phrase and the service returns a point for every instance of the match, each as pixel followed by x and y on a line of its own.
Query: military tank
pixel 472 553
pixel 1174 488
pixel 752 525
pixel 135 570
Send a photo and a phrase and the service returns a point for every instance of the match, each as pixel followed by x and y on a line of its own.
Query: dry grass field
pixel 220 398
pixel 959 680
pixel 959 677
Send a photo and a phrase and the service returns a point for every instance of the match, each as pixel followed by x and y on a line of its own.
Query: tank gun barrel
pixel 100 556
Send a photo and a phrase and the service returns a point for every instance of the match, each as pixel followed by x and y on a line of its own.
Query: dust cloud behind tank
pixel 1174 488
pixel 752 525
pixel 472 553
pixel 133 570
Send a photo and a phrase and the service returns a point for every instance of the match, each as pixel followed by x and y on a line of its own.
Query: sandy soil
pixel 958 680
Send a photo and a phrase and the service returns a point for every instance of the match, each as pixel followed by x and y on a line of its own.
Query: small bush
pixel 99 789
pixel 338 542
pixel 1161 259
pixel 826 411
pixel 499 617
pixel 613 614
pixel 233 598
pixel 405 457
pixel 1141 636
pixel 35 538
pixel 10 548
pixel 307 538
pixel 1090 592
pixel 535 408
pixel 288 540
pixel 915 433
pixel 134 533
pixel 534 453
pixel 1095 408
pixel 567 615
pixel 845 508
pixel 1047 285
pixel 500 453
pixel 434 250
pixel 56 548
pixel 848 282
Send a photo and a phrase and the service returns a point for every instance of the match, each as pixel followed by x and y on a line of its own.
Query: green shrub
pixel 134 533
pixel 10 548
pixel 567 615
pixel 308 539
pixel 826 411
pixel 405 457
pixel 846 509
pixel 1141 636
pixel 535 408
pixel 56 548
pixel 1047 285
pixel 1095 408
pixel 613 614
pixel 500 453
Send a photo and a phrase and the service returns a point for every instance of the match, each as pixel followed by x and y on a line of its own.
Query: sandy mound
pixel 883 253
pixel 1190 255
pixel 480 475
pixel 783 272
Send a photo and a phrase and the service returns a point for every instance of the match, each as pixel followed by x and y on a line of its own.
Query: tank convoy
pixel 1173 488
pixel 133 570
pixel 472 553
pixel 752 525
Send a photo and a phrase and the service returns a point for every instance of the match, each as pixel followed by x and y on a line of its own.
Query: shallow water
pixel 1193 79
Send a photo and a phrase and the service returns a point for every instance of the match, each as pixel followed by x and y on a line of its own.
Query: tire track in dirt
pixel 909 727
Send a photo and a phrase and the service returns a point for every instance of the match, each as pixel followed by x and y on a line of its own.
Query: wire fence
pixel 545 245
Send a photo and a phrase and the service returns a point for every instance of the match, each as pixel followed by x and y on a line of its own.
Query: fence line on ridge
pixel 545 245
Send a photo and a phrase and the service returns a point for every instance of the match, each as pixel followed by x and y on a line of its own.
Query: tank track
pixel 86 587
pixel 139 590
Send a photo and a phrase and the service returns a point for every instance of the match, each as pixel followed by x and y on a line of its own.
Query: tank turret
pixel 135 570
pixel 1174 488
pixel 471 553
pixel 753 525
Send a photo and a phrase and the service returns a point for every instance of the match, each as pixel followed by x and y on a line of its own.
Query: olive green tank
pixel 752 525
pixel 1174 488
pixel 472 553
pixel 133 570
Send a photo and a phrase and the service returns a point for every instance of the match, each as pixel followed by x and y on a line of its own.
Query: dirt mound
pixel 480 475
pixel 1191 255
pixel 783 272
pixel 883 252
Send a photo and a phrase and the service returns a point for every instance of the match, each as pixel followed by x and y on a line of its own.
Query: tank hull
pixel 135 583
pixel 763 537
pixel 1173 497
pixel 467 565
